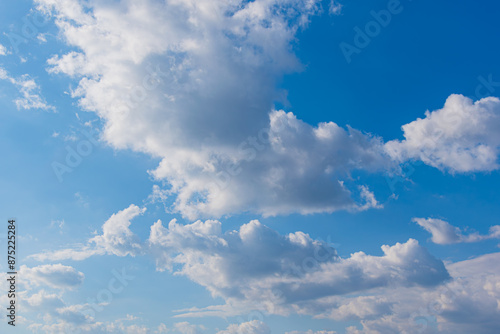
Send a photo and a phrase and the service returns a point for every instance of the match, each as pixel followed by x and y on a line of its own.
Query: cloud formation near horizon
pixel 256 265
pixel 256 268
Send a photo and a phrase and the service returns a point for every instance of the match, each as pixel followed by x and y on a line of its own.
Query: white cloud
pixel 116 327
pixel 353 308
pixel 256 267
pixel 52 275
pixel 58 317
pixel 335 8
pixel 193 83
pixel 57 223
pixel 370 200
pixel 311 332
pixel 444 233
pixel 31 97
pixel 476 305
pixel 3 50
pixel 296 169
pixel 42 38
pixel 44 300
pixel 70 64
pixel 78 253
pixel 461 137
pixel 116 239
pixel 467 304
pixel 250 327
pixel 187 328
pixel 69 320
pixel 158 195
pixel 51 307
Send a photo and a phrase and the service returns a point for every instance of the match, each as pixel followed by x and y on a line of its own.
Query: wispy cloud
pixel 116 238
pixel 31 97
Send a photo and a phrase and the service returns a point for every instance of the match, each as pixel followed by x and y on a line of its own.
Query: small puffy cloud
pixel 158 195
pixel 257 267
pixel 41 38
pixel 52 275
pixel 70 64
pixel 369 200
pixel 335 8
pixel 57 223
pixel 444 233
pixel 250 327
pixel 461 137
pixel 3 50
pixel 116 239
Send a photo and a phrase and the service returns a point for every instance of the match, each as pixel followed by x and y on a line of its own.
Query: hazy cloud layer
pixel 53 275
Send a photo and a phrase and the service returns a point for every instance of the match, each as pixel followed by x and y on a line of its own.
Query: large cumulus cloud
pixel 194 83
pixel 257 267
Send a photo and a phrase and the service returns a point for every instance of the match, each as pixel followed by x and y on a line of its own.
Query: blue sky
pixel 212 153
